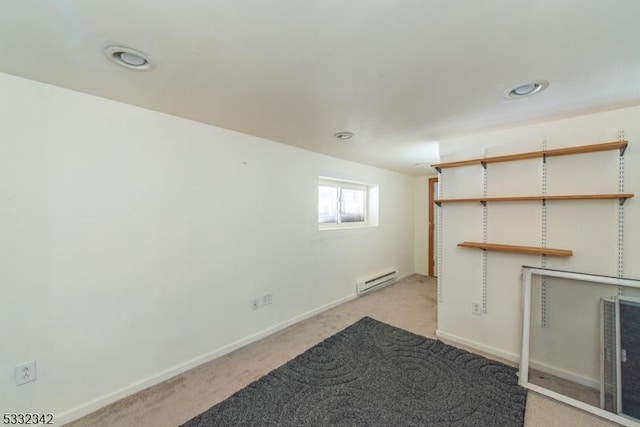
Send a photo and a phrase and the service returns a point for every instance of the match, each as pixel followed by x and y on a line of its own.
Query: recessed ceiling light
pixel 129 58
pixel 525 89
pixel 343 135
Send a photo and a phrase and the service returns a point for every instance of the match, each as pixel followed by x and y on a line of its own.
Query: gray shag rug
pixel 374 374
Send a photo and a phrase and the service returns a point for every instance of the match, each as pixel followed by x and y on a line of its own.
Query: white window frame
pixel 352 185
pixel 523 374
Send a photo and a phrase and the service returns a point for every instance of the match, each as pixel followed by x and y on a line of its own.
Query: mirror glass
pixel 585 342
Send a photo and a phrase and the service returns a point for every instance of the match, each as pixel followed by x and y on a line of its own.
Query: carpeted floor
pixel 410 304
pixel 374 374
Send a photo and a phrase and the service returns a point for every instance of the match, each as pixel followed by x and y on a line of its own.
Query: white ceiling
pixel 400 74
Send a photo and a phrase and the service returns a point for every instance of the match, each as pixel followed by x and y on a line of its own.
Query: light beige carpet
pixel 408 304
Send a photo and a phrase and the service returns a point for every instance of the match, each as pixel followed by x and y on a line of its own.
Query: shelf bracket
pixel 438 169
pixel 620 251
pixel 485 234
pixel 544 321
pixel 437 203
pixel 621 138
pixel 622 200
pixel 623 149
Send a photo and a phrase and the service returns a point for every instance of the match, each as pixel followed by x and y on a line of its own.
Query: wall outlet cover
pixel 25 372
pixel 476 308
pixel 267 299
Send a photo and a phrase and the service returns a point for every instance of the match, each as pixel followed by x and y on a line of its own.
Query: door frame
pixel 431 260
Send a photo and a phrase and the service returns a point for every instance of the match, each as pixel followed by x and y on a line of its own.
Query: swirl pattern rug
pixel 374 374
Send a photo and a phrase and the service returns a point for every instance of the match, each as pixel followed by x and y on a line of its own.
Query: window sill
pixel 345 227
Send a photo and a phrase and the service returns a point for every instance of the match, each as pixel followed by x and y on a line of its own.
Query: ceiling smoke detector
pixel 525 89
pixel 129 58
pixel 343 135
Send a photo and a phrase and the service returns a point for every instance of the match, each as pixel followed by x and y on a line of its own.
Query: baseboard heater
pixel 369 285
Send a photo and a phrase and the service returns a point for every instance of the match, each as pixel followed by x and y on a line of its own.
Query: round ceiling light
pixel 129 58
pixel 343 135
pixel 525 89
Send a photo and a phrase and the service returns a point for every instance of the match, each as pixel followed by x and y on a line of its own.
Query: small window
pixel 343 204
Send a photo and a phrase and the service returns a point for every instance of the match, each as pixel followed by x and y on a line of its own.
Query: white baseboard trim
pixel 512 357
pixel 95 404
pixel 403 276
pixel 564 374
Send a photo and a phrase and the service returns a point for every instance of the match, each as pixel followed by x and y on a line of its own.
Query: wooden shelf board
pixel 611 196
pixel 517 249
pixel 616 145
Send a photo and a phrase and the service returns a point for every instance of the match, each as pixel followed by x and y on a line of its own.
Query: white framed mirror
pixel 581 341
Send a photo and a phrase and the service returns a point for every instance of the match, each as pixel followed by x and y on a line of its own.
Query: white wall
pixel 421 227
pixel 132 243
pixel 589 228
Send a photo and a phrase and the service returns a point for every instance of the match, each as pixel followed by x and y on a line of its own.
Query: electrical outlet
pixel 25 372
pixel 255 303
pixel 476 308
pixel 267 299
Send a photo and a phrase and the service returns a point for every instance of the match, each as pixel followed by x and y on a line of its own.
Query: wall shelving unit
pixel 542 154
pixel 517 249
pixel 621 196
pixel 605 146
